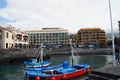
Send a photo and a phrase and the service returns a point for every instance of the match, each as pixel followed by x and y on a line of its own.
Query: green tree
pixel 117 41
pixel 109 42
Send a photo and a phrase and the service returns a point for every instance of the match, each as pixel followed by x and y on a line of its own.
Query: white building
pixel 21 39
pixel 12 38
pixel 6 38
pixel 48 36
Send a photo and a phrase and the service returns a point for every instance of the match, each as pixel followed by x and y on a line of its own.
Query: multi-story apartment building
pixel 91 36
pixel 12 38
pixel 48 36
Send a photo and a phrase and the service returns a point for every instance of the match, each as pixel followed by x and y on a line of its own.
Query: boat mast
pixel 72 51
pixel 41 53
pixel 113 47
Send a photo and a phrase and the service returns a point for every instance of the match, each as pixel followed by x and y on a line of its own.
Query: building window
pixel 7 35
pixel 20 45
pixel 6 45
pixel 16 45
pixel 12 45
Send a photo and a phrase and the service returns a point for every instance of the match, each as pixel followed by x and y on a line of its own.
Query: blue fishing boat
pixel 27 70
pixel 33 63
pixel 37 62
pixel 59 72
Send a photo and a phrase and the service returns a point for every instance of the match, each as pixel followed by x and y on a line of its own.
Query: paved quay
pixel 107 72
pixel 110 68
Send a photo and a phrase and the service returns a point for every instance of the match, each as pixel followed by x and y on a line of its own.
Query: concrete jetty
pixel 107 72
pixel 110 68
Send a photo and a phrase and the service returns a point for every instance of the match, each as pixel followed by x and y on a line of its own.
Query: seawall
pixel 12 55
pixel 86 51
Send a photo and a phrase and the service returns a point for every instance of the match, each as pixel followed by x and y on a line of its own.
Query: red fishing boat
pixel 63 72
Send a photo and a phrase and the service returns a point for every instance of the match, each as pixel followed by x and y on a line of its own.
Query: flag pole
pixel 111 23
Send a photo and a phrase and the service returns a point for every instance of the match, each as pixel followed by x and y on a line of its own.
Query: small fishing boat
pixel 33 63
pixel 62 72
pixel 59 73
pixel 37 62
pixel 27 70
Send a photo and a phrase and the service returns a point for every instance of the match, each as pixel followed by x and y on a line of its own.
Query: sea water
pixel 14 71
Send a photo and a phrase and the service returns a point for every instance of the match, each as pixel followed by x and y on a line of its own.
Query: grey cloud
pixel 70 14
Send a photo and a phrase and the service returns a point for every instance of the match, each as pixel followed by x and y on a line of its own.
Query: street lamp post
pixel 113 45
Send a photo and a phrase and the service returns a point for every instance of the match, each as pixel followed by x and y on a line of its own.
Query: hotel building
pixel 91 36
pixel 48 36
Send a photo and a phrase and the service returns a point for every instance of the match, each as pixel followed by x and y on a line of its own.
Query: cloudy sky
pixel 69 14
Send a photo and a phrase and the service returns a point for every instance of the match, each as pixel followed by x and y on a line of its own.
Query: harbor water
pixel 14 71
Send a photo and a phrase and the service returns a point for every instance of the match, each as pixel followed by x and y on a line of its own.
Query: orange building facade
pixel 91 36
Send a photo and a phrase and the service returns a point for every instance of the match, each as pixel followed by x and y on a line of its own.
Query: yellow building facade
pixel 94 36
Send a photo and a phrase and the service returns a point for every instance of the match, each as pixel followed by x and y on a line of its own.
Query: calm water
pixel 14 71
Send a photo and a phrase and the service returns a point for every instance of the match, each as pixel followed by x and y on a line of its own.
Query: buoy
pixel 53 78
pixel 64 76
pixel 37 78
pixel 88 70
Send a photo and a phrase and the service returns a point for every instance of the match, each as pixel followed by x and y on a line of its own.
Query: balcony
pixel 25 38
pixel 19 36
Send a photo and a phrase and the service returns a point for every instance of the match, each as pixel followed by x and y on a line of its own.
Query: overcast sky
pixel 68 14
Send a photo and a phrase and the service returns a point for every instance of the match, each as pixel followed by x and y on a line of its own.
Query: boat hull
pixel 63 76
pixel 36 64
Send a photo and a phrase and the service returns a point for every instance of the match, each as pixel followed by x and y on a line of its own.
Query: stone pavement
pixel 110 68
pixel 107 72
